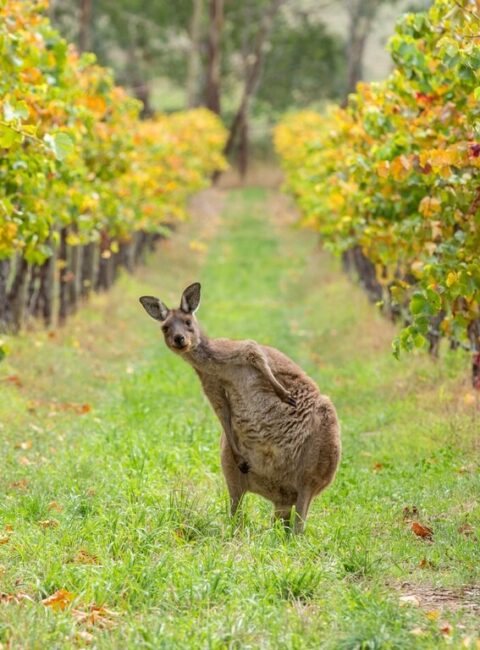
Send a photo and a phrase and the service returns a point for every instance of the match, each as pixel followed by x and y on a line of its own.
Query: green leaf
pixel 12 112
pixel 417 303
pixel 60 143
pixel 3 349
pixel 8 136
pixel 419 340
pixel 476 93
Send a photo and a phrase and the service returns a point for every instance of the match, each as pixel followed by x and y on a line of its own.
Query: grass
pixel 124 505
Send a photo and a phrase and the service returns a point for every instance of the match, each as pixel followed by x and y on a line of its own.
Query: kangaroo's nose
pixel 179 340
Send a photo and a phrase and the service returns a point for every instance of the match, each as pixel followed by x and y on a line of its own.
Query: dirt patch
pixel 430 598
pixel 283 210
pixel 207 206
pixel 259 175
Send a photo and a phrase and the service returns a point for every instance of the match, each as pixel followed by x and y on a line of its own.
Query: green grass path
pixel 125 505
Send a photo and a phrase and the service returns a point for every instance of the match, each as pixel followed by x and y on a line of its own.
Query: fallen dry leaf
pixel 409 600
pixel 377 467
pixel 57 407
pixel 197 246
pixel 446 628
pixel 15 380
pixel 22 484
pixel 23 460
pixel 4 540
pixel 426 564
pixel 470 399
pixel 54 505
pixel 422 531
pixel 59 600
pixel 85 636
pixel 432 614
pixel 14 598
pixel 25 445
pixel 48 523
pixel 417 631
pixel 95 615
pixel 466 529
pixel 471 642
pixel 85 557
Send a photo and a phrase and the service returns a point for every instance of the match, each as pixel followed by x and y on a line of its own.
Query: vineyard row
pixel 391 181
pixel 85 185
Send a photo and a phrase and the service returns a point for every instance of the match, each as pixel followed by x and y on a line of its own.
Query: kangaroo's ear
pixel 190 298
pixel 154 307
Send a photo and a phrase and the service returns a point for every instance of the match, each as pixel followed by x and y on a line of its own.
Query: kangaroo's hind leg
pixel 236 480
pixel 301 509
pixel 283 513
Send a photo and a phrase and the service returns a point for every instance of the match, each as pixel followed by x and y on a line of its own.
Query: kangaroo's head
pixel 179 326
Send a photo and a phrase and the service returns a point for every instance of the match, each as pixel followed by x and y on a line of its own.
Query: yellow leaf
pixel 197 246
pixel 59 600
pixel 48 523
pixel 400 167
pixel 383 168
pixel 429 206
pixel 452 277
pixel 417 268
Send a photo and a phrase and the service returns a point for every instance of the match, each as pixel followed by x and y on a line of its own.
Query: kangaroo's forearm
pixel 217 397
pixel 258 359
pixel 224 415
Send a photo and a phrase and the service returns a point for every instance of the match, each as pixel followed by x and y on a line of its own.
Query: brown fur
pixel 281 437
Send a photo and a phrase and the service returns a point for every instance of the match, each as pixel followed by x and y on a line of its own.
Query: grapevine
pixel 391 181
pixel 84 183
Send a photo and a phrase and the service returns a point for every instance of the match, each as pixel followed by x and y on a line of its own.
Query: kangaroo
pixel 281 437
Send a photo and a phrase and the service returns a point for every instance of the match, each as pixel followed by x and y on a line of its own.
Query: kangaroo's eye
pixel 188 322
pixel 165 329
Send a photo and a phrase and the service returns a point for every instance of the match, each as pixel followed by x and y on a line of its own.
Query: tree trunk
pixel 356 51
pixel 17 297
pixel 142 92
pixel 46 297
pixel 33 291
pixel 104 264
pixel 4 273
pixel 64 277
pixel 474 337
pixel 367 275
pixel 84 32
pixel 361 14
pixel 127 253
pixel 212 90
pixel 194 60
pixel 88 269
pixel 243 149
pixel 253 74
pixel 140 248
pixel 74 287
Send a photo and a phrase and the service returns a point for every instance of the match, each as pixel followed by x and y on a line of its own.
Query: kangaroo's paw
pixel 244 467
pixel 291 400
pixel 287 397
